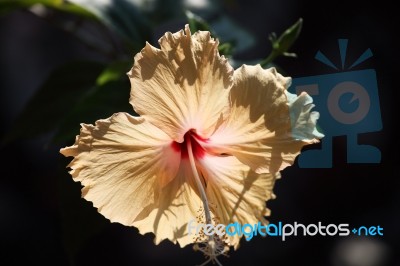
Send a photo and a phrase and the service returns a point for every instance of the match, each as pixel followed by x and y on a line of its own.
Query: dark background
pixel 34 218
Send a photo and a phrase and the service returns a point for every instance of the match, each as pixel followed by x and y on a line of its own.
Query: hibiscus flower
pixel 209 143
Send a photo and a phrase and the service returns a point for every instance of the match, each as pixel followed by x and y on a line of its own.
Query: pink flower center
pixel 195 140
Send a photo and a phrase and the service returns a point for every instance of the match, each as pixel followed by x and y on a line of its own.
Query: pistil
pixel 200 186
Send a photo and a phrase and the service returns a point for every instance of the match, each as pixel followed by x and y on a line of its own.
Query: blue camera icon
pixel 348 103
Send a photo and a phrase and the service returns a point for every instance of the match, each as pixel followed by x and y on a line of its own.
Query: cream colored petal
pixel 122 162
pixel 258 130
pixel 235 192
pixel 303 121
pixel 177 204
pixel 182 86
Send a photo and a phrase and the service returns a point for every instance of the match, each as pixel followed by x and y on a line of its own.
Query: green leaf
pixel 114 71
pixel 10 5
pixel 100 102
pixel 197 23
pixel 226 48
pixel 281 45
pixel 47 108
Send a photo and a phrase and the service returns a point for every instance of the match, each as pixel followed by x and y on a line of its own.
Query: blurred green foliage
pixel 82 92
pixel 85 91
pixel 10 5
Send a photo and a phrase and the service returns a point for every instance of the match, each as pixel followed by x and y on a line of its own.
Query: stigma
pixel 196 142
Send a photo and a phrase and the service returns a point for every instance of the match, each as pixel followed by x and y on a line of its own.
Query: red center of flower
pixel 195 141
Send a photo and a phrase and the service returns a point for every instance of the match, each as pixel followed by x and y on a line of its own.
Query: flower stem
pixel 198 182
